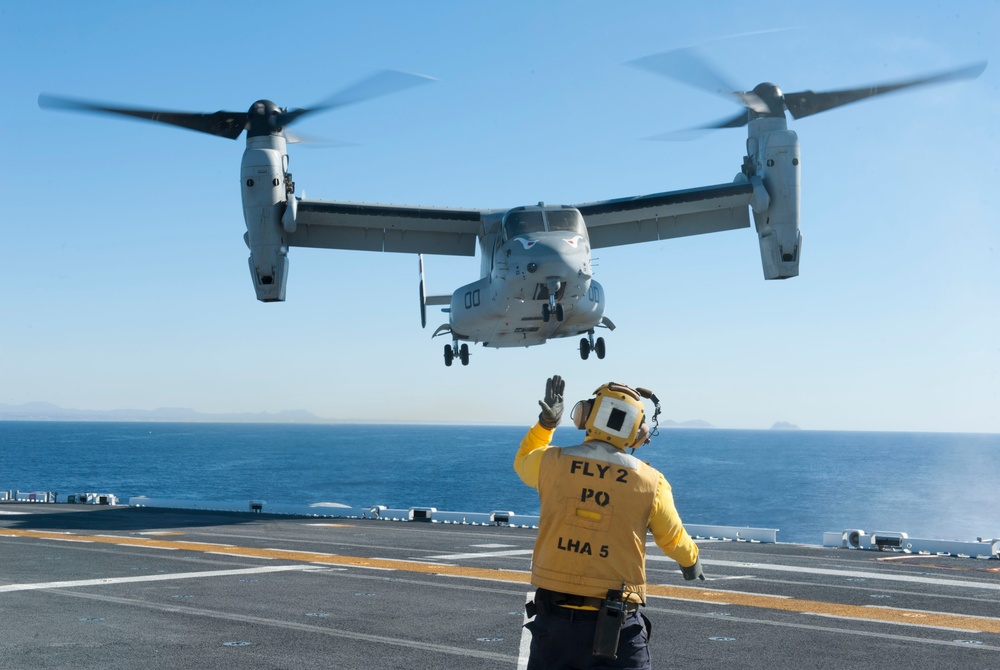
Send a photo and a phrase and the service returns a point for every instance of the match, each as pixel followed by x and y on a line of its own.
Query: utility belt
pixel 609 613
pixel 570 605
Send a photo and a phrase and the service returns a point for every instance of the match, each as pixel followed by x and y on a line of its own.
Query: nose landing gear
pixel 548 310
pixel 552 287
pixel 587 344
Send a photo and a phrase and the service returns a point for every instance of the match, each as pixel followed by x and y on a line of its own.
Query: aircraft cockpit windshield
pixel 568 220
pixel 521 222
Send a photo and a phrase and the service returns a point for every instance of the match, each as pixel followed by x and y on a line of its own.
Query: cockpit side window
pixel 565 219
pixel 519 223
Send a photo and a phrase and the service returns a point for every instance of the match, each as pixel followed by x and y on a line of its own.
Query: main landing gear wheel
pixel 587 344
pixel 451 352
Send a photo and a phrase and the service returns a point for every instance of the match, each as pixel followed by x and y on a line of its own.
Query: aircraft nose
pixel 546 258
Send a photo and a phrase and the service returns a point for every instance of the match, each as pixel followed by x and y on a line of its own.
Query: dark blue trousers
pixel 562 639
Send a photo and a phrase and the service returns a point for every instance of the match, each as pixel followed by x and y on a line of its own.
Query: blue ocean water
pixel 800 482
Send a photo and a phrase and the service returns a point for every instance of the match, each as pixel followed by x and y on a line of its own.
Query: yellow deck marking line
pixel 881 614
pixel 290 555
pixel 867 613
pixel 161 532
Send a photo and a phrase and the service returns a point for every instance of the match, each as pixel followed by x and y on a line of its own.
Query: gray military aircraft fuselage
pixel 535 281
pixel 536 284
pixel 536 278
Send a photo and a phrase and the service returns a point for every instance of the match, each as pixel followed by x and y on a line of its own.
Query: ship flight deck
pixel 126 587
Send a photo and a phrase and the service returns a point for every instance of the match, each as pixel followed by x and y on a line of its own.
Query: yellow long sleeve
pixel 529 457
pixel 668 530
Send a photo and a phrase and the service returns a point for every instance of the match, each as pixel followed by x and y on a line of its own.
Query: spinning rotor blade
pixel 379 84
pixel 693 69
pixel 264 116
pixel 807 103
pixel 223 124
pixel 737 121
pixel 687 66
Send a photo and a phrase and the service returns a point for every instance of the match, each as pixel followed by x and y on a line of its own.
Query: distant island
pixel 784 425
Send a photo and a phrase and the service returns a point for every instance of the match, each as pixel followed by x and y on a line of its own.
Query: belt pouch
pixel 610 619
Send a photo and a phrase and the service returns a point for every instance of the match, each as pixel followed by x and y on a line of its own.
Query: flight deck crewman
pixel 597 502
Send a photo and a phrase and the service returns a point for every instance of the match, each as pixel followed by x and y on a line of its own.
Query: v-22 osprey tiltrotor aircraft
pixel 536 278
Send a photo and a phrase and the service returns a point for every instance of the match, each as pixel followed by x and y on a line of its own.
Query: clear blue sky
pixel 126 281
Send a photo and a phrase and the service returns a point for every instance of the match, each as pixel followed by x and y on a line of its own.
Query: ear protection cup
pixel 581 412
pixel 642 437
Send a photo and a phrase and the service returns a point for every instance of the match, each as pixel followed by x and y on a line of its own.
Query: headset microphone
pixel 646 393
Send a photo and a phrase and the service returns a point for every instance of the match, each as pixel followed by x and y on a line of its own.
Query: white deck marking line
pixel 484 554
pixel 913 579
pixel 371 639
pixel 831 629
pixel 6 588
pixel 891 623
pixel 524 649
pixel 728 578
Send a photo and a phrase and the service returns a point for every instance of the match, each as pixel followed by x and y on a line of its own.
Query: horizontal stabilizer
pixel 438 299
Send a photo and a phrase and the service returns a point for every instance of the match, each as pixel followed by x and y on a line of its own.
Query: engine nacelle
pixel 774 151
pixel 264 203
pixel 268 269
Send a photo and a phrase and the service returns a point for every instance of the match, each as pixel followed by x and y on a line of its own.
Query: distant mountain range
pixel 43 411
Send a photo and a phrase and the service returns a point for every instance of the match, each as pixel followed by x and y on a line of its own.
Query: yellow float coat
pixel 597 504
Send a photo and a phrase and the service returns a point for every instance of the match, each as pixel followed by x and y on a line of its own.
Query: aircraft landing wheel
pixel 546 312
pixel 463 354
pixel 599 347
pixel 449 355
pixel 559 312
pixel 584 348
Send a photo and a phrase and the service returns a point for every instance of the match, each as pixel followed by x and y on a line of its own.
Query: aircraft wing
pixel 329 224
pixel 659 216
